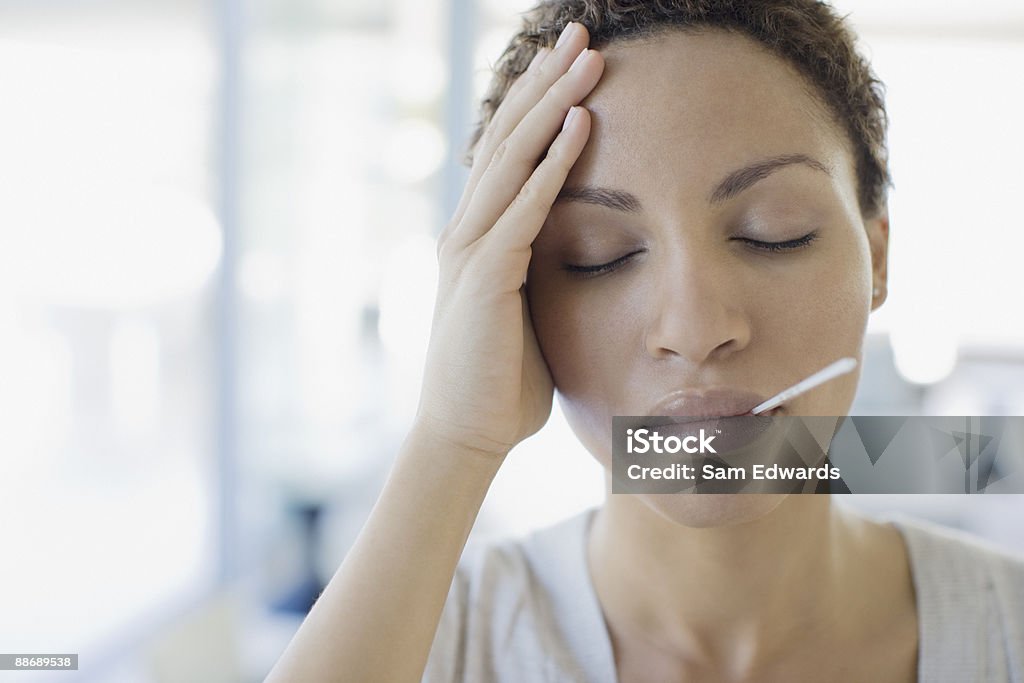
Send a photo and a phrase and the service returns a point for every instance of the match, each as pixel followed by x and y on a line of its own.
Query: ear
pixel 878 240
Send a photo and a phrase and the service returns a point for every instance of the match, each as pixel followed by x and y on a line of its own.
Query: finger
pixel 517 157
pixel 519 225
pixel 525 77
pixel 478 167
pixel 527 91
pixel 545 69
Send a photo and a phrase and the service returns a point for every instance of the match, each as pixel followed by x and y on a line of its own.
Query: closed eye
pixel 589 271
pixel 788 245
pixel 771 247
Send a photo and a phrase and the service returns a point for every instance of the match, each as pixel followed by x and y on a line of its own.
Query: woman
pixel 690 213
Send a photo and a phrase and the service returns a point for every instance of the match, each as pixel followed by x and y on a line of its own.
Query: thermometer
pixel 840 367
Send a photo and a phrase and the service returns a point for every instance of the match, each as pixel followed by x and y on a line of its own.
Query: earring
pixel 877 292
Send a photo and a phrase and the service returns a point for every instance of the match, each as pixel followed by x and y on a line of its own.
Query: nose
pixel 697 311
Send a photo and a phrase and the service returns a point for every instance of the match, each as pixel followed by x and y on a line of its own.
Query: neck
pixel 739 593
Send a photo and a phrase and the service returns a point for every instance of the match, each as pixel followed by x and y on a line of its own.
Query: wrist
pixel 445 433
pixel 426 439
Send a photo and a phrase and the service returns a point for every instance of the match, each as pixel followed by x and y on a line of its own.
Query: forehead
pixel 690 106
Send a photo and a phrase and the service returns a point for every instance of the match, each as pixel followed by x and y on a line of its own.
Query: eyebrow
pixel 730 186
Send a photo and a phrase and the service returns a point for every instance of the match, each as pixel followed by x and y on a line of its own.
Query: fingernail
pixel 567 32
pixel 579 58
pixel 573 113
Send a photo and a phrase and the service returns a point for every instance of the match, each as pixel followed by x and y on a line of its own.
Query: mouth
pixel 696 421
pixel 730 432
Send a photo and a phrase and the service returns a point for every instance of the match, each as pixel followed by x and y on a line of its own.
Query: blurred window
pixel 110 242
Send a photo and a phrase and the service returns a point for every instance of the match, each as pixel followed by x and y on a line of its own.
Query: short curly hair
pixel 806 33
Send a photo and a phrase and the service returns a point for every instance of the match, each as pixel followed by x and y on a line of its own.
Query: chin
pixel 700 511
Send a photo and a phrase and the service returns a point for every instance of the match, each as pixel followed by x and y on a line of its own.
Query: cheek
pixel 839 294
pixel 817 319
pixel 575 330
pixel 827 308
pixel 585 344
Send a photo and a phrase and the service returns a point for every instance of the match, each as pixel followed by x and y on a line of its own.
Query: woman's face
pixel 696 304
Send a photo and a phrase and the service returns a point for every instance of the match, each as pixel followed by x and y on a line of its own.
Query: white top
pixel 526 611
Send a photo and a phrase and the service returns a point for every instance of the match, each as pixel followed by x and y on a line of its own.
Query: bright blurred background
pixel 216 281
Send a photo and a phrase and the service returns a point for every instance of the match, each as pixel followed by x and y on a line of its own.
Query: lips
pixel 731 433
pixel 721 411
pixel 721 402
pixel 696 421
